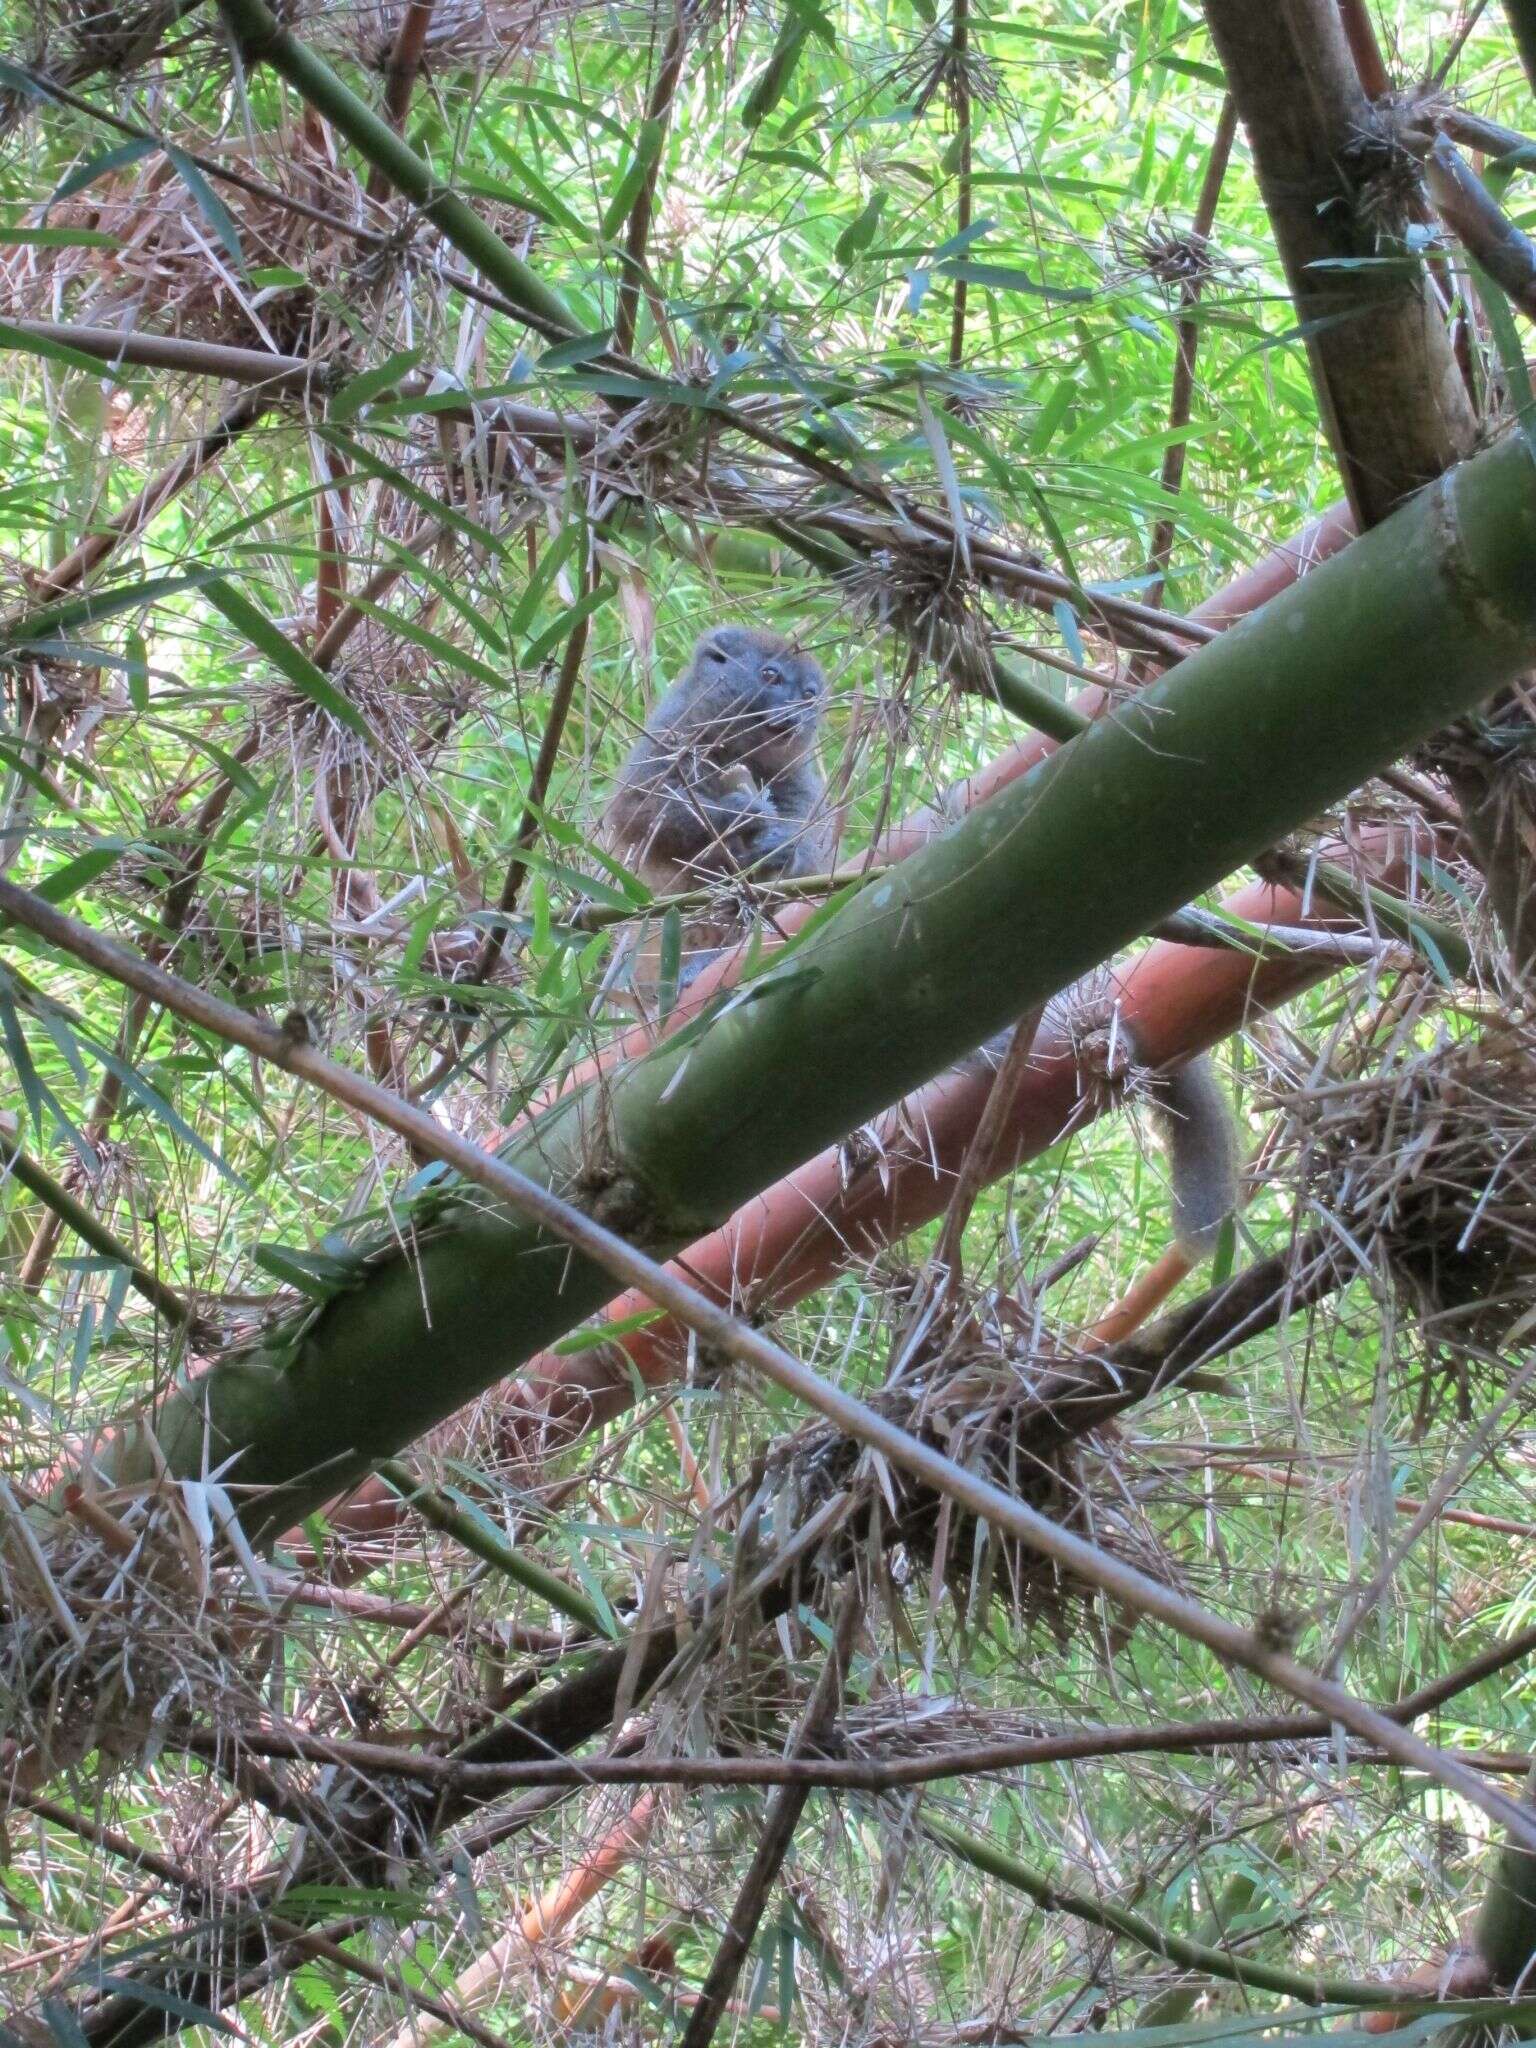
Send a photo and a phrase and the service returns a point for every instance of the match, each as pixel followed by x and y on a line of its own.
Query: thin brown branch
pixel 482 1781
pixel 778 1831
pixel 178 907
pixel 995 1118
pixel 543 770
pixel 83 560
pixel 1187 341
pixel 658 114
pixel 404 63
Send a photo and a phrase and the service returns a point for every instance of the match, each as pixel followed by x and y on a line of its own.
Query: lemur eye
pixel 717 654
pixel 772 674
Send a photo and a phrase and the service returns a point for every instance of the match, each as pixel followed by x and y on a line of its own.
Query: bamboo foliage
pixel 899 984
pixel 391 394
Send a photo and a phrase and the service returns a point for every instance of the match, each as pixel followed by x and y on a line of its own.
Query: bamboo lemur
pixel 724 781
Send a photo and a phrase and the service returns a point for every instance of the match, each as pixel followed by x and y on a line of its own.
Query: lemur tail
pixel 1199 1133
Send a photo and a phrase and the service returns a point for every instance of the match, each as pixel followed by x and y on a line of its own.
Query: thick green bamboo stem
pixel 1247 739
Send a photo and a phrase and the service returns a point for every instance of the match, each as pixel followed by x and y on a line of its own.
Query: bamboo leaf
pixel 287 659
pixel 208 204
pixel 102 165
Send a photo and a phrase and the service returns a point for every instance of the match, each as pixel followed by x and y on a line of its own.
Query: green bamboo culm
pixel 1247 739
pixel 261 38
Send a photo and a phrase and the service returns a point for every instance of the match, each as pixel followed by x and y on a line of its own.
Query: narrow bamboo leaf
pixel 138 671
pixel 312 1273
pixel 287 659
pixel 566 355
pixel 368 384
pixel 14 79
pixel 563 833
pixel 641 164
pixel 150 1096
pixel 208 204
pixel 1508 341
pixel 63 2025
pixel 453 597
pixel 62 883
pixel 589 886
pixel 811 17
pixel 605 1333
pixel 671 962
pixel 161 2001
pixel 434 644
pixel 20 1053
pixel 59 238
pixel 792 160
pixel 560 630
pixel 531 192
pixel 774 80
pixel 944 464
pixel 1186 67
pixel 101 166
pixel 958 244
pixel 1005 277
pixel 98 605
pixel 328 1900
pixel 860 231
pixel 544 96
pixel 221 758
pixel 450 516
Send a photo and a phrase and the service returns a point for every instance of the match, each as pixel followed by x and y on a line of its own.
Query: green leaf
pixel 248 619
pixel 434 644
pixel 530 192
pixel 158 2000
pixel 566 355
pixel 368 384
pixel 208 204
pixel 642 163
pixel 98 605
pixel 59 238
pixel 560 629
pixel 101 166
pixel 1007 278
pixel 146 1093
pixel 860 231
pixel 63 882
pixel 313 1273
pixel 605 1333
pixel 811 18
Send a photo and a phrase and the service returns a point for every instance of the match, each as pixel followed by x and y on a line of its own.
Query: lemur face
pixel 777 684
